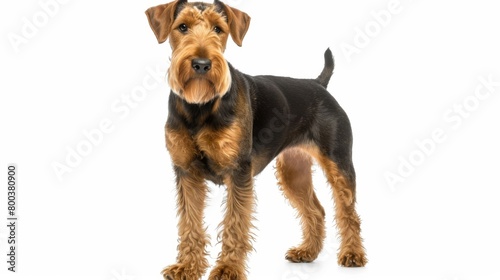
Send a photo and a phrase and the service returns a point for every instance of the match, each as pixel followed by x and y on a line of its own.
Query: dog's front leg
pixel 191 259
pixel 236 226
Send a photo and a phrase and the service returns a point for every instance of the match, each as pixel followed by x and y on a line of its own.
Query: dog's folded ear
pixel 161 18
pixel 237 20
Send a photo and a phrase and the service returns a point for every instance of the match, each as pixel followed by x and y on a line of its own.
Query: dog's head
pixel 198 33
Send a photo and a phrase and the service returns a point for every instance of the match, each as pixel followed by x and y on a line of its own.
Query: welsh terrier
pixel 226 127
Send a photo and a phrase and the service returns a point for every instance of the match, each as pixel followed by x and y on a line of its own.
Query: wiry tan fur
pixel 200 42
pixel 293 170
pixel 224 152
pixel 235 235
pixel 222 146
pixel 191 258
pixel 351 252
pixel 181 147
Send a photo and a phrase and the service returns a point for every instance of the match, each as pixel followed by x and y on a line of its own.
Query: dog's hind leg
pixel 351 251
pixel 293 170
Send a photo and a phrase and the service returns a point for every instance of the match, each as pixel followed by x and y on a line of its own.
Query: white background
pixel 113 216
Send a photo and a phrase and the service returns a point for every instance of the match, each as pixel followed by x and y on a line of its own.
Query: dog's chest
pixel 217 149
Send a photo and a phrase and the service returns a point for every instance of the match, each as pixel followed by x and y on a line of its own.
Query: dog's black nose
pixel 201 65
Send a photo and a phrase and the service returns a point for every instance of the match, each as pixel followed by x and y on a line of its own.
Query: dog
pixel 226 127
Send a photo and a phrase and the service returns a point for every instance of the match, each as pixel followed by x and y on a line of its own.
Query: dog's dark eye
pixel 183 28
pixel 217 30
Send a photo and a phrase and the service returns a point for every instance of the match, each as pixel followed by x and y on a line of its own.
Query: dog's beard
pixel 199 89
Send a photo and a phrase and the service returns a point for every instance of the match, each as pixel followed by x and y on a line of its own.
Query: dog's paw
pixel 181 272
pixel 227 272
pixel 352 258
pixel 298 255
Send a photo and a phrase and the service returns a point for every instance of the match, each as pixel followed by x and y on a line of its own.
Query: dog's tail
pixel 327 72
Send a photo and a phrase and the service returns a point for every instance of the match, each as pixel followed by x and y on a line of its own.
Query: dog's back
pixel 289 112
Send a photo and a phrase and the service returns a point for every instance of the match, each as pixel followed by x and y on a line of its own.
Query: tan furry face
pixel 195 34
